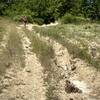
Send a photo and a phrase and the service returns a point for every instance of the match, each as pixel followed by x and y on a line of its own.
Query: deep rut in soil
pixel 32 75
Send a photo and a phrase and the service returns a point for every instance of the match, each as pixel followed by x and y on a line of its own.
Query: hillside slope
pixel 53 62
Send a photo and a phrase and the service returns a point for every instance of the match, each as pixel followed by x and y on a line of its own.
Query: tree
pixel 50 10
pixel 90 9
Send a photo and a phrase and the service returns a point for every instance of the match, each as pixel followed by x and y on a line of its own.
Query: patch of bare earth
pixel 32 75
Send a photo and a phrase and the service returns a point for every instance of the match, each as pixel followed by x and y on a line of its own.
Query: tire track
pixel 32 75
pixel 71 71
pixel 62 65
pixel 77 71
pixel 3 52
pixel 12 61
pixel 57 70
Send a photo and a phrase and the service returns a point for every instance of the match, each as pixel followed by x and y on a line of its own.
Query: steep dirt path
pixel 57 70
pixel 22 80
pixel 84 78
pixel 32 75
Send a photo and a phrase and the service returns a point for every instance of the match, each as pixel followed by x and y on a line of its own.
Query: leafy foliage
pixel 68 18
pixel 49 10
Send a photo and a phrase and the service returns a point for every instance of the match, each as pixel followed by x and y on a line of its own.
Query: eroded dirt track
pixel 23 77
pixel 32 74
pixel 77 73
pixel 22 82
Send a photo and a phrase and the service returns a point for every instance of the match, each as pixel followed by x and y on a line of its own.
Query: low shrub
pixel 69 18
pixel 18 18
pixel 39 21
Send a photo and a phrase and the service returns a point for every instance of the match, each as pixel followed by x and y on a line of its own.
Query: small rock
pixel 70 88
pixel 8 64
pixel 6 83
pixel 28 70
pixel 27 47
pixel 20 82
pixel 8 76
pixel 55 61
pixel 72 61
pixel 17 96
pixel 71 99
pixel 73 67
pixel 4 90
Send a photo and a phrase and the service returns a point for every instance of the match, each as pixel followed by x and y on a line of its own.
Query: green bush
pixel 30 19
pixel 18 18
pixel 69 18
pixel 81 20
pixel 39 21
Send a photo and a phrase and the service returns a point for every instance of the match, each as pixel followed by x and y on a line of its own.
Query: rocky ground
pixel 25 77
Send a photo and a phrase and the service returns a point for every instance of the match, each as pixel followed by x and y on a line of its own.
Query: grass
pixel 2 30
pixel 64 33
pixel 15 47
pixel 4 24
pixel 1 33
pixel 11 55
pixel 43 51
pixel 13 52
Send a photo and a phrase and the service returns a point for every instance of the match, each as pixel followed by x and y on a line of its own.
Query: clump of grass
pixel 15 48
pixel 44 52
pixel 12 53
pixel 1 33
pixel 2 29
pixel 4 26
pixel 69 18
